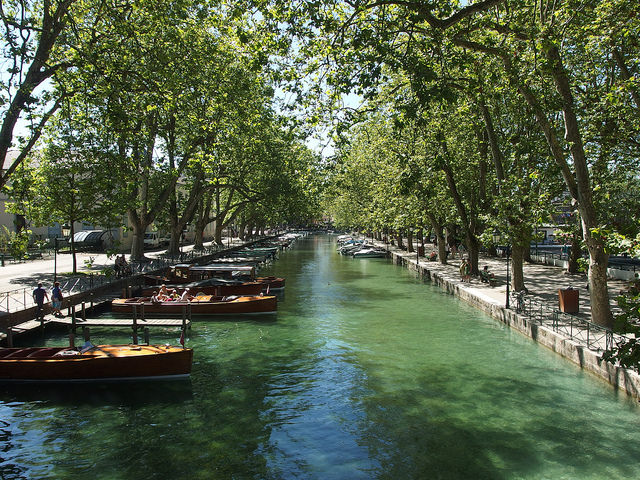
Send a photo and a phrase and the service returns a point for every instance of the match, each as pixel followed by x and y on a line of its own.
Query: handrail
pixel 22 298
pixel 593 336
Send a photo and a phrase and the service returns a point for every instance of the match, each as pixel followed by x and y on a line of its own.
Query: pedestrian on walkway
pixel 39 294
pixel 56 299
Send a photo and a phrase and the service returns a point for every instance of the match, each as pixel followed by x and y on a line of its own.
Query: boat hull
pixel 104 362
pixel 206 305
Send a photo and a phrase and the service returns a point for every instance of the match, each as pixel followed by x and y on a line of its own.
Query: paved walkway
pixel 17 280
pixel 541 281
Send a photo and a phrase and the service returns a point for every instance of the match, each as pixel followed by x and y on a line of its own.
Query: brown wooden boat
pixel 185 273
pixel 248 288
pixel 200 305
pixel 94 362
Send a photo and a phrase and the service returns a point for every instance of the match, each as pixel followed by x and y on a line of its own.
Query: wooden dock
pixel 117 322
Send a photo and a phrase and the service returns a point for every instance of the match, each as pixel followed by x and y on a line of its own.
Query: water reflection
pixel 364 373
pixel 131 393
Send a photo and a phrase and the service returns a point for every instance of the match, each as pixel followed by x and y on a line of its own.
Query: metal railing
pixel 22 298
pixel 594 337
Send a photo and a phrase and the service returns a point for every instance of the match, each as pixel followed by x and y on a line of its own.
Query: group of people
pixel 164 295
pixel 40 294
pixel 121 267
pixel 465 271
pixel 485 275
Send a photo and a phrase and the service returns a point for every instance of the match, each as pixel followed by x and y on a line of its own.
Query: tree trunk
pixel 473 251
pixel 598 259
pixel 137 244
pixel 575 253
pixel 73 247
pixel 409 241
pixel 442 246
pixel 517 274
pixel 198 238
pixel 217 233
pixel 174 240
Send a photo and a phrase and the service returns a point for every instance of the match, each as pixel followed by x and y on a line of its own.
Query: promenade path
pixel 541 281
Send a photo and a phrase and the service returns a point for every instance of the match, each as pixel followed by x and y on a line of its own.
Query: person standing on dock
pixel 39 294
pixel 56 299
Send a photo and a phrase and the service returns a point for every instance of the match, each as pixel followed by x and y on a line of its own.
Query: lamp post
pixel 507 248
pixel 55 258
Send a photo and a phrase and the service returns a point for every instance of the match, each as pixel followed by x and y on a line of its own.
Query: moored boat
pixel 94 362
pixel 184 273
pixel 372 252
pixel 211 287
pixel 200 305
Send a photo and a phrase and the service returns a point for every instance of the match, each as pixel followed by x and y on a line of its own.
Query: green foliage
pixel 15 243
pixel 627 353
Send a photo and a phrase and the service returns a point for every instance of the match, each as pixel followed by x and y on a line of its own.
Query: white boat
pixel 370 252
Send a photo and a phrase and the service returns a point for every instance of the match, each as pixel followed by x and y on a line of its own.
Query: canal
pixel 365 373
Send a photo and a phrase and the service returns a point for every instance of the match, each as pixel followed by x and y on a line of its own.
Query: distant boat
pixel 201 305
pixel 94 362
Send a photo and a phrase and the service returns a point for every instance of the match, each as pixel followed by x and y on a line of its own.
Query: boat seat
pixel 45 352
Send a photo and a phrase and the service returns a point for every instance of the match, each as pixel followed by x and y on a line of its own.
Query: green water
pixel 365 373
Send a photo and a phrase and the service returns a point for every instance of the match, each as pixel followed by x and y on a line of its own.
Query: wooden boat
pixel 185 273
pixel 94 362
pixel 200 305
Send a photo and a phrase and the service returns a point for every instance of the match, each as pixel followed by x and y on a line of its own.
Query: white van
pixel 154 240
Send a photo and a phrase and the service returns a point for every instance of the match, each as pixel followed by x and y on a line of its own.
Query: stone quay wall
pixel 620 378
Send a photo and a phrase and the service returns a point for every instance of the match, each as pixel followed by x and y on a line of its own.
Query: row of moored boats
pixel 229 286
pixel 359 248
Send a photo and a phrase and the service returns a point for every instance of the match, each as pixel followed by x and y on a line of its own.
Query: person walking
pixel 39 294
pixel 56 299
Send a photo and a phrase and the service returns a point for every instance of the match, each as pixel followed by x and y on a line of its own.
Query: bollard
pixel 146 335
pixel 135 326
pixel 86 333
pixel 73 318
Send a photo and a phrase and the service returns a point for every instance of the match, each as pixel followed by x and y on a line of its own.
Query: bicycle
pixel 518 301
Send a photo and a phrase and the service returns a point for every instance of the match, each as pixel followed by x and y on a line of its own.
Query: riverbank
pixel 546 327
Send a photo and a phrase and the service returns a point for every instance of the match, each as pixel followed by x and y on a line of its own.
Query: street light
pixel 507 248
pixel 66 231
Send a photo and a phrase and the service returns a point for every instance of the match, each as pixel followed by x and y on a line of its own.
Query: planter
pixel 568 299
